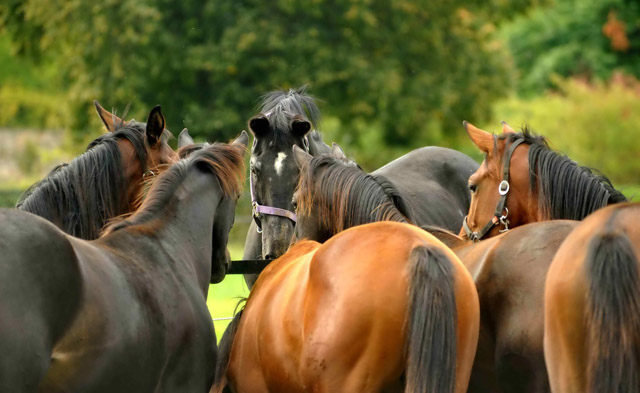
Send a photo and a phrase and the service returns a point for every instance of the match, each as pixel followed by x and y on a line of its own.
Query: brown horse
pixel 383 307
pixel 521 180
pixel 592 305
pixel 126 312
pixel 509 270
pixel 105 181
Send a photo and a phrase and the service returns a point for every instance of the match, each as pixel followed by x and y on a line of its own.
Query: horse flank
pixel 565 189
pixel 89 190
pixel 344 196
pixel 225 161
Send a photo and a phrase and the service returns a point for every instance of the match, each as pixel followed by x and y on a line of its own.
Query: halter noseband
pixel 503 190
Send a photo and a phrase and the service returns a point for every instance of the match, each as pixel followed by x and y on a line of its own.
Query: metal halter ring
pixel 501 187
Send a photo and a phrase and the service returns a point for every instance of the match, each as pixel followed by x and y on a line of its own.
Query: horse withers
pixel 105 181
pixel 592 305
pixel 126 312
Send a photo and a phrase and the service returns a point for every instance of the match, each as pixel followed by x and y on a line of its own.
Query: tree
pixel 411 69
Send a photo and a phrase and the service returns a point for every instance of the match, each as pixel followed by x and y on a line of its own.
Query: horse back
pixel 433 180
pixel 40 294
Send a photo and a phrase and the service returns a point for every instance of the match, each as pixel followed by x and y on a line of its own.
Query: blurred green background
pixel 390 76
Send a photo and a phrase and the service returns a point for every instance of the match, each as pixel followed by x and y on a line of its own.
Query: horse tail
pixel 224 353
pixel 613 314
pixel 431 352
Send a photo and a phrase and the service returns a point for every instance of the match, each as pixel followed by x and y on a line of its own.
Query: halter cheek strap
pixel 501 213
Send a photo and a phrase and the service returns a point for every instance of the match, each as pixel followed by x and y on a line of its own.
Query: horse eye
pixel 294 202
pixel 473 187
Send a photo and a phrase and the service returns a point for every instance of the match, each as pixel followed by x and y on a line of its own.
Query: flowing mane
pixel 281 106
pixel 225 161
pixel 565 189
pixel 343 196
pixel 76 195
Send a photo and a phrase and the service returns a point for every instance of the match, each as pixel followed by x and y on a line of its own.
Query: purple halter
pixel 258 209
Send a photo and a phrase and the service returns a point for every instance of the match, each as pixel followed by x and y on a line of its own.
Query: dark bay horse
pixel 592 305
pixel 521 180
pixel 126 312
pixel 382 307
pixel 286 119
pixel 432 179
pixel 509 270
pixel 107 180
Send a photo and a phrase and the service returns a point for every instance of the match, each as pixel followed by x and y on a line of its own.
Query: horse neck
pixel 77 201
pixel 184 227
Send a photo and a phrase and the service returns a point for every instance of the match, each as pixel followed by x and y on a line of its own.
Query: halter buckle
pixel 503 187
pixel 504 221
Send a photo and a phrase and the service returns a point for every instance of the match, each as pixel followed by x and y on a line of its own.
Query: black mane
pixel 565 189
pixel 83 195
pixel 281 106
pixel 344 196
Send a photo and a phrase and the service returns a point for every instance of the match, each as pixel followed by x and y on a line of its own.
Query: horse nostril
pixel 268 256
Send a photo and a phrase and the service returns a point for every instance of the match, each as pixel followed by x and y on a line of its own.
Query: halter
pixel 258 209
pixel 503 190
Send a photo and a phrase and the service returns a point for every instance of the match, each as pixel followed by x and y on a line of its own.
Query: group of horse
pixel 372 288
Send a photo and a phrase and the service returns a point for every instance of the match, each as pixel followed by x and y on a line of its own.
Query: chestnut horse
pixel 592 305
pixel 382 307
pixel 126 312
pixel 336 317
pixel 509 270
pixel 105 181
pixel 521 180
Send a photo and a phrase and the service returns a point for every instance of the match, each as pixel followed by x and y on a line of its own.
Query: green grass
pixel 224 297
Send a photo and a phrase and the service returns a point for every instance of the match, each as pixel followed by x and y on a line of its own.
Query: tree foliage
pixel 586 38
pixel 412 69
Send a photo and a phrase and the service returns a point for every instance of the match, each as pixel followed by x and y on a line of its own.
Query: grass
pixel 224 297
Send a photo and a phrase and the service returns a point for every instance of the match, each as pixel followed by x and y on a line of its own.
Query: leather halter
pixel 503 190
pixel 258 209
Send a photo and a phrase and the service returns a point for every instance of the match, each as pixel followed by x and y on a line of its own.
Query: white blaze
pixel 278 163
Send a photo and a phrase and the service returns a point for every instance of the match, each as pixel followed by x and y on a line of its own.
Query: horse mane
pixel 565 189
pixel 225 161
pixel 344 196
pixel 282 105
pixel 83 200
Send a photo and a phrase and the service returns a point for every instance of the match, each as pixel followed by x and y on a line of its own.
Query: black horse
pixel 286 119
pixel 126 312
pixel 106 180
pixel 432 179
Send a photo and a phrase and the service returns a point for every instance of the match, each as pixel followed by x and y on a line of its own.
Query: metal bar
pixel 248 266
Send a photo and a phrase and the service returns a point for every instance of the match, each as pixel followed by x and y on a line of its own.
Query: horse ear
pixel 482 139
pixel 155 125
pixel 300 127
pixel 337 152
pixel 111 121
pixel 242 140
pixel 259 125
pixel 184 139
pixel 506 128
pixel 301 157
